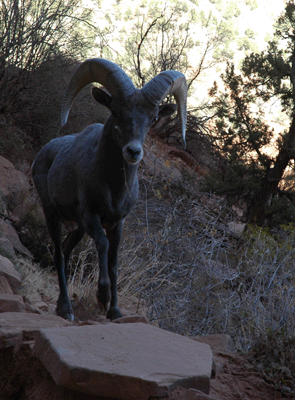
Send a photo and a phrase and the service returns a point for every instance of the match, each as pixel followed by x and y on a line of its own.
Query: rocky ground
pixel 23 375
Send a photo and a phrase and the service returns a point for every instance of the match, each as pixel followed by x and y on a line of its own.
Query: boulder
pixel 124 361
pixel 31 323
pixel 4 286
pixel 6 248
pixel 3 208
pixel 11 303
pixel 11 234
pixel 10 274
pixel 16 326
pixel 14 185
pixel 16 202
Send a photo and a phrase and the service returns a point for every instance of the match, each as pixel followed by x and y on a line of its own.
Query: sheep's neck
pixel 119 175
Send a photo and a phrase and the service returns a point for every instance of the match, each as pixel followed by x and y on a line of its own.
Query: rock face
pixel 124 361
pixel 16 202
pixel 14 199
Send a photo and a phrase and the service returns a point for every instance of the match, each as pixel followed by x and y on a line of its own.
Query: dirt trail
pixel 237 379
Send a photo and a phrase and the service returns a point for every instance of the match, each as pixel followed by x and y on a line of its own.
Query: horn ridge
pixel 99 70
pixel 169 82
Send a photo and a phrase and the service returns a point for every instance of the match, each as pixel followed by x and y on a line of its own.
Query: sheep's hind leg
pixel 64 308
pixel 70 242
pixel 94 229
pixel 114 236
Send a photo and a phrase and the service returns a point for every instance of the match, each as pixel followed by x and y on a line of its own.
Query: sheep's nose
pixel 133 152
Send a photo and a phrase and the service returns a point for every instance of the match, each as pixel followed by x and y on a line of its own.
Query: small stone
pixel 131 319
pixel 218 341
pixel 10 338
pixel 236 228
pixel 42 306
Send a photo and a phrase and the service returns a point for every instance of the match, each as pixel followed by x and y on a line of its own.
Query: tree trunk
pixel 273 177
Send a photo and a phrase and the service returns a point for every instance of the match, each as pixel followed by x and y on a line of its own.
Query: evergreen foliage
pixel 258 161
pixel 149 37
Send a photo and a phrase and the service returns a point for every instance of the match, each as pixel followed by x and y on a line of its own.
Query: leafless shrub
pixel 182 266
pixel 34 32
pixel 195 277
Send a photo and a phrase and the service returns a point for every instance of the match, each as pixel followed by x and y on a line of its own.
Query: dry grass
pixel 179 259
pixel 37 284
pixel 181 266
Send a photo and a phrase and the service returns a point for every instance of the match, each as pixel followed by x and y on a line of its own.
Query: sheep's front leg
pixel 64 308
pixel 94 229
pixel 114 236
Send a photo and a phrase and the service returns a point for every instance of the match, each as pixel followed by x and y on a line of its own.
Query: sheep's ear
pixel 167 109
pixel 102 97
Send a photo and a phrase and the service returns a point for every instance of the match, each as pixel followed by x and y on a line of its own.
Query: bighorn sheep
pixel 88 181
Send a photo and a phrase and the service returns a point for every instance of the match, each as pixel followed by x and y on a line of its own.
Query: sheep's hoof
pixel 65 315
pixel 104 296
pixel 114 313
pixel 65 310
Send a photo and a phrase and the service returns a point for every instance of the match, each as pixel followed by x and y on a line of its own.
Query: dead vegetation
pixel 181 264
pixel 186 269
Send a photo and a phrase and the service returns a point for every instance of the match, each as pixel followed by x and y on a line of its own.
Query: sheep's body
pixel 88 181
pixel 72 166
pixel 84 182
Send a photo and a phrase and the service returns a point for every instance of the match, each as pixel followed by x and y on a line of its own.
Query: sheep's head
pixel 131 120
pixel 133 111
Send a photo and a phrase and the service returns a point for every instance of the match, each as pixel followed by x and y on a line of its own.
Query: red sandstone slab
pixel 124 361
pixel 30 322
pixel 16 325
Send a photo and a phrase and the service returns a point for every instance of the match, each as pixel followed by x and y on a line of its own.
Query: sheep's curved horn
pixel 169 82
pixel 105 72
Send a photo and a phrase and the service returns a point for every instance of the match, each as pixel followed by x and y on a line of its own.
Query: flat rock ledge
pixel 125 361
pixel 16 327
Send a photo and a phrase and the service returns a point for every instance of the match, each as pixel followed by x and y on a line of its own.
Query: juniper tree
pixel 243 132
